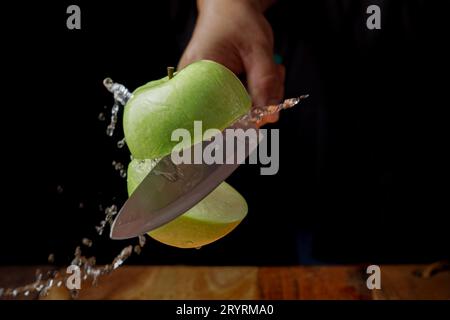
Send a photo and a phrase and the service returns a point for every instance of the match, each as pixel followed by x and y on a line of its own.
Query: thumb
pixel 265 80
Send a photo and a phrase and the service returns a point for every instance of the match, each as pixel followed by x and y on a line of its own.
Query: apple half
pixel 209 220
pixel 204 90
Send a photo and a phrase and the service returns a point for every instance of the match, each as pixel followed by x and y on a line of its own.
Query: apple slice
pixel 211 219
pixel 204 90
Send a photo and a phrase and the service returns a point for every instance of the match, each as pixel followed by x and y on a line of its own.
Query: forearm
pixel 259 5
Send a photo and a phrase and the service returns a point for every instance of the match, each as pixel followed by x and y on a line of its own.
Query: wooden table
pixel 296 282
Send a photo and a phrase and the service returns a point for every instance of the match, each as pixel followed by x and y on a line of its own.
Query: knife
pixel 170 189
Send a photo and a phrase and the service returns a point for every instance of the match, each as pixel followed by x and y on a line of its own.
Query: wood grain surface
pixel 296 282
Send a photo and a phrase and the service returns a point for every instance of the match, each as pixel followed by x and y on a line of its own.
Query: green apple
pixel 204 90
pixel 209 220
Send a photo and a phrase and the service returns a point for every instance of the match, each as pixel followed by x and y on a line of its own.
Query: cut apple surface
pixel 211 219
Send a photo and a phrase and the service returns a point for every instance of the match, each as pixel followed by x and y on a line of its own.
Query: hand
pixel 236 34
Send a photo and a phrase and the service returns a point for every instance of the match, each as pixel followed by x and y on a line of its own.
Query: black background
pixel 363 173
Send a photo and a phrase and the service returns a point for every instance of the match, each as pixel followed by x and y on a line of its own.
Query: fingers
pixel 265 80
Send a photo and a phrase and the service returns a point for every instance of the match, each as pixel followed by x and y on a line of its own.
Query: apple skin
pixel 204 90
pixel 209 220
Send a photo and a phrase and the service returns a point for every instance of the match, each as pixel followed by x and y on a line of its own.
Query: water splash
pixel 87 242
pixel 110 212
pixel 121 96
pixel 142 240
pixel 137 249
pixel 89 271
pixel 258 113
pixel 120 168
pixel 44 281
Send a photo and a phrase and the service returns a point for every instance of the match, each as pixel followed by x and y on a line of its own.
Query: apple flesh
pixel 209 220
pixel 204 90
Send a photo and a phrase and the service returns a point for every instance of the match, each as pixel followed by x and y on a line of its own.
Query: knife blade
pixel 170 190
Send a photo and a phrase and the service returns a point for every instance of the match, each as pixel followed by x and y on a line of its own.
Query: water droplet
pixel 111 210
pixel 110 130
pixel 59 189
pixel 101 116
pixel 99 230
pixel 49 283
pixel 81 205
pixel 87 242
pixel 142 240
pixel 38 275
pixel 108 83
pixel 121 143
pixel 120 167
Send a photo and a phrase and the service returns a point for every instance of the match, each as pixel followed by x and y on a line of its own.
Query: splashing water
pixel 120 167
pixel 110 212
pixel 87 242
pixel 44 281
pixel 121 96
pixel 142 240
pixel 256 114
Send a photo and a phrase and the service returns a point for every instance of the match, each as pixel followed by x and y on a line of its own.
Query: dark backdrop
pixel 363 162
